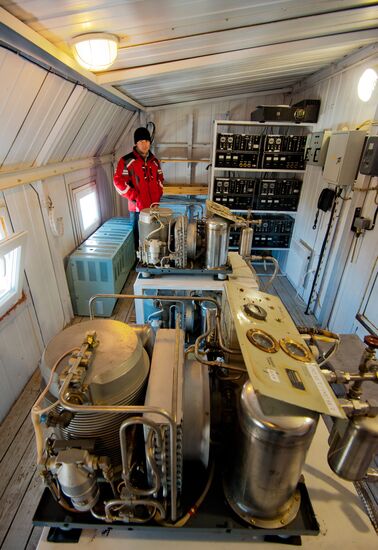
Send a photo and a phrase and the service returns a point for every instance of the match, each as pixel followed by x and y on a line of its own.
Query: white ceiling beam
pixel 246 36
pixel 12 177
pixel 217 99
pixel 352 60
pixel 48 51
pixel 339 40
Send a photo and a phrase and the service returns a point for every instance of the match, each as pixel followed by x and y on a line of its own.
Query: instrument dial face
pixel 296 350
pixel 262 340
pixel 255 311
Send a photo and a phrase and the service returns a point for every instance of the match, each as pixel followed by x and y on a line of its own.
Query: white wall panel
pixel 340 109
pixel 21 347
pixel 76 117
pixel 24 209
pixel 92 135
pixel 40 120
pixel 174 126
pixel 20 84
pixel 55 188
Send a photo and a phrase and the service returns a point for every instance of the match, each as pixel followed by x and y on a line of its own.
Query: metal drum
pixel 353 446
pixel 217 239
pixel 261 485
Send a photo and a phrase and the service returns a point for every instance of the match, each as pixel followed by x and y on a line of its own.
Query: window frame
pixel 78 191
pixel 17 240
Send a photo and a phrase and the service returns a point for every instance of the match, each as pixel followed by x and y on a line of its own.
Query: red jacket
pixel 139 180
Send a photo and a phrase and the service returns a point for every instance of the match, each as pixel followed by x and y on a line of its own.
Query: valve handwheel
pixel 371 341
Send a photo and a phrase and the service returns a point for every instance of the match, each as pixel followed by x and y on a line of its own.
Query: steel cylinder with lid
pixel 271 441
pixel 353 445
pixel 217 239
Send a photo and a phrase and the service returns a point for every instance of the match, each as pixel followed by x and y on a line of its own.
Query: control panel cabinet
pixel 343 157
pixel 256 167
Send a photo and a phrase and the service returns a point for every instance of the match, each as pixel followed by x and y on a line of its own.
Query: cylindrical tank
pixel 148 222
pixel 246 242
pixel 352 451
pixel 262 480
pixel 217 239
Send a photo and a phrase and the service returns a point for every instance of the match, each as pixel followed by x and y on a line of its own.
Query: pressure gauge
pixel 255 311
pixel 262 340
pixel 296 350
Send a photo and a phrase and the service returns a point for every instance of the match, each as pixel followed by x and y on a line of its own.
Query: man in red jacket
pixel 139 178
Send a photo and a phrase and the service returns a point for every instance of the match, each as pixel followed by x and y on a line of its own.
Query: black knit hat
pixel 141 134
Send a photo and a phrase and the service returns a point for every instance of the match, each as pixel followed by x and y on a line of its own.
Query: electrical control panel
pixel 274 231
pixel 369 161
pixel 317 147
pixel 258 194
pixel 343 157
pixel 274 151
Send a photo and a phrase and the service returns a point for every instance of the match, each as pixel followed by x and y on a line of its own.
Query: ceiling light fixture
pixel 366 84
pixel 95 51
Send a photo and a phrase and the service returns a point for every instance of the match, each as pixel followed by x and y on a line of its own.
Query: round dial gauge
pixel 296 350
pixel 262 340
pixel 255 311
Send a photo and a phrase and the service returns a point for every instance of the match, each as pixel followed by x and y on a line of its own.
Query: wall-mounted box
pixel 343 157
pixel 369 161
pixel 317 147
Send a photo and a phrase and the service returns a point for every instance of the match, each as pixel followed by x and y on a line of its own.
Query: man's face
pixel 143 146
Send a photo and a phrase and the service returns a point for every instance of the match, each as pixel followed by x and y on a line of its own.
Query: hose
pixel 36 411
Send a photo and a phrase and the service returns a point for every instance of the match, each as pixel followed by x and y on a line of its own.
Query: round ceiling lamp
pixel 95 51
pixel 366 84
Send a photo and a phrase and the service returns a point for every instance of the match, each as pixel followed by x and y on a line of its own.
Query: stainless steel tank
pixel 217 240
pixel 353 446
pixel 246 241
pixel 262 480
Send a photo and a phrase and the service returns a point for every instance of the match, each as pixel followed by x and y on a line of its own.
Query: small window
pixel 12 254
pixel 87 208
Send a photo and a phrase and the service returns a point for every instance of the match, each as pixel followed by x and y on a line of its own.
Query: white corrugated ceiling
pixel 178 50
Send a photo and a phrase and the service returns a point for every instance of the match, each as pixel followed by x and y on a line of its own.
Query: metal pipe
pixel 270 259
pixel 212 363
pixel 122 439
pixel 131 409
pixel 221 342
pixel 179 203
pixel 132 503
pixel 146 297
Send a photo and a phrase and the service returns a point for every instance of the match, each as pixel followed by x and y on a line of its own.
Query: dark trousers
pixel 134 218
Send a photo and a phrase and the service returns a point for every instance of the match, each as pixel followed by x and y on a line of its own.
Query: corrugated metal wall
pixel 187 132
pixel 45 119
pixel 341 109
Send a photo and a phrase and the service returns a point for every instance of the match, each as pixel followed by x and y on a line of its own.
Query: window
pixel 87 209
pixel 12 254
